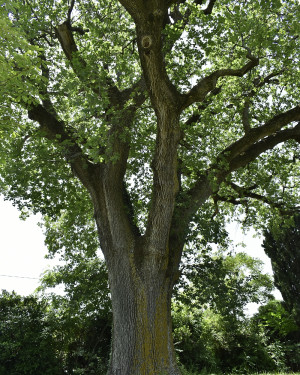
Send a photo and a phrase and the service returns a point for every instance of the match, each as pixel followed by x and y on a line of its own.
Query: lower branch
pixel 244 194
pixel 207 84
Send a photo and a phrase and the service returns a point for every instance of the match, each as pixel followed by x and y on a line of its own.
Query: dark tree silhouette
pixel 283 248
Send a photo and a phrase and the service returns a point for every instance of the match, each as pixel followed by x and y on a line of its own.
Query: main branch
pixel 54 130
pixel 245 193
pixel 79 65
pixel 262 146
pixel 238 155
pixel 256 134
pixel 207 84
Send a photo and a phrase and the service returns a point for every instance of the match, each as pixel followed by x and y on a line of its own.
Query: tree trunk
pixel 142 332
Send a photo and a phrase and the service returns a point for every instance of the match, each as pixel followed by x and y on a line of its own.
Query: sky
pixel 22 251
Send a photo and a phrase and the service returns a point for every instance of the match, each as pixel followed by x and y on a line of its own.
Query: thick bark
pixel 142 269
pixel 142 336
pixel 141 282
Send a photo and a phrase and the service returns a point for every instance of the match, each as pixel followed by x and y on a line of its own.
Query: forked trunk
pixel 142 333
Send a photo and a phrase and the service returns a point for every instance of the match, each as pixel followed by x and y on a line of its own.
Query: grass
pixel 254 373
pixel 185 372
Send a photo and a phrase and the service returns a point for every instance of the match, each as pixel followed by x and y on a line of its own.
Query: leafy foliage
pixel 156 120
pixel 208 342
pixel 33 69
pixel 211 329
pixel 27 345
pixel 83 337
pixel 51 336
pixel 226 283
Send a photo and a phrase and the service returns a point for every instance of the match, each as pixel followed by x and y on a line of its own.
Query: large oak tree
pixel 152 117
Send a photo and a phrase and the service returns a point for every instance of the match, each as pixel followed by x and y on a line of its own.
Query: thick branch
pixel 54 129
pixel 192 200
pixel 70 10
pixel 137 93
pixel 133 7
pixel 265 144
pixel 245 116
pixel 209 8
pixel 44 89
pixel 196 115
pixel 180 20
pixel 268 79
pixel 245 193
pixel 245 150
pixel 256 134
pixel 79 65
pixel 258 82
pixel 207 84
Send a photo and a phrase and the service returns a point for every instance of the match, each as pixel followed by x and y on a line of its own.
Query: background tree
pixel 280 335
pixel 224 282
pixel 211 327
pixel 282 245
pixel 151 117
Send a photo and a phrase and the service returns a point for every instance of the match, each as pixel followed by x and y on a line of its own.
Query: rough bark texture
pixel 142 335
pixel 142 269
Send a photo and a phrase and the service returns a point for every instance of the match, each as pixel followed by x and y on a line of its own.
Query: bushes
pixel 206 341
pixel 37 338
pixel 26 342
pixel 211 331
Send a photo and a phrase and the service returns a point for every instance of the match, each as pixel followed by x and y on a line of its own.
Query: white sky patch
pixel 22 251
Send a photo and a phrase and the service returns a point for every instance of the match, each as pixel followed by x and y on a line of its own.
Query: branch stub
pixel 146 41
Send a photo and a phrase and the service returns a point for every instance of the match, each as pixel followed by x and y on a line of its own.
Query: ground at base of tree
pixel 233 373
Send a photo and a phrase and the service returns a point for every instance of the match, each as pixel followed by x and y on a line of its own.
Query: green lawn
pixel 256 373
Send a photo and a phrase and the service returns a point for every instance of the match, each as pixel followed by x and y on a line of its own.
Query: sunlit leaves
pixel 19 64
pixel 33 67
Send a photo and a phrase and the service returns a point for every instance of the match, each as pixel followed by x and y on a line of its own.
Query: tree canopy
pixel 153 120
pixel 235 68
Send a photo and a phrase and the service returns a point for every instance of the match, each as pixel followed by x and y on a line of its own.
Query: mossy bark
pixel 142 330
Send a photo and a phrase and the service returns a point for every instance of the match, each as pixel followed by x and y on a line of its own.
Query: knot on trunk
pixel 146 41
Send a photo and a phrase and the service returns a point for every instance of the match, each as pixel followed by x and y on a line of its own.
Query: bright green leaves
pixel 85 281
pixel 73 228
pixel 82 89
pixel 34 175
pixel 19 64
pixel 227 283
pixel 270 185
pixel 110 41
pixel 222 40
